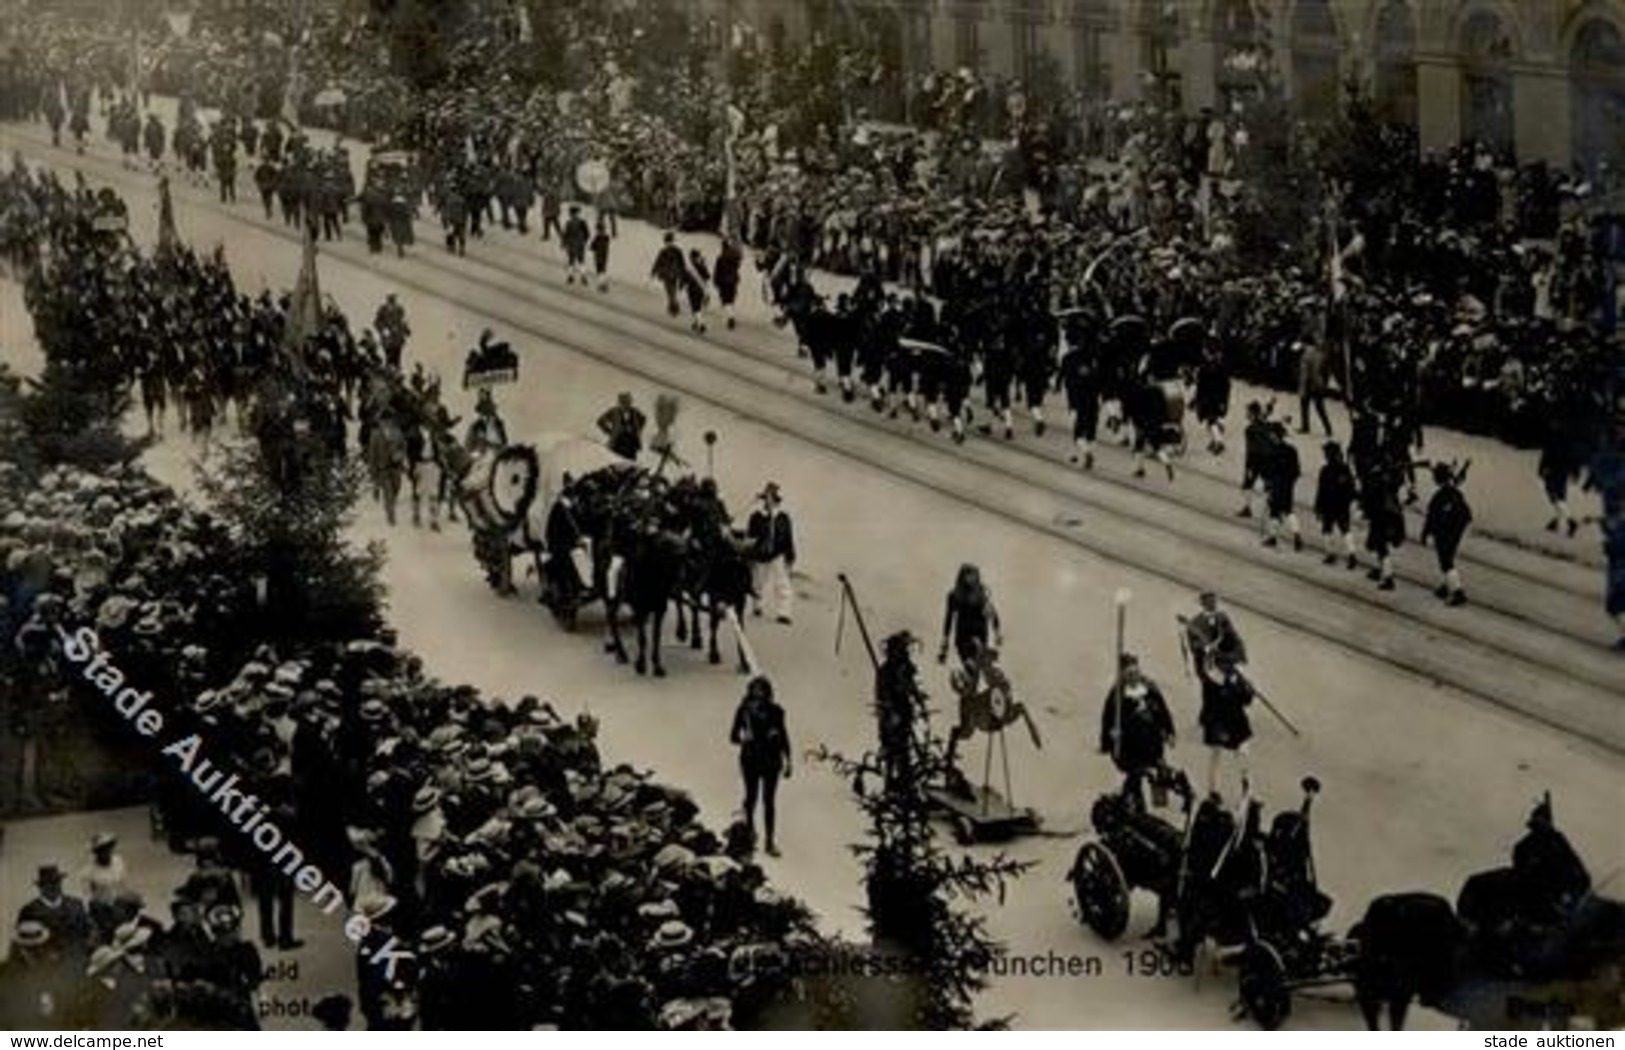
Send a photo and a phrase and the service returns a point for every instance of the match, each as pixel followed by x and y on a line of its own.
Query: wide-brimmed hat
pixel 672 935
pixel 31 933
pixel 436 939
pixel 131 936
pixel 771 491
pixel 103 959
pixel 374 710
pixel 49 875
pixel 375 906
pixel 103 840
pixel 426 799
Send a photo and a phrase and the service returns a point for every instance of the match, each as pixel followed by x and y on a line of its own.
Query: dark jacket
pixel 772 536
pixel 760 732
pixel 1146 725
pixel 1447 518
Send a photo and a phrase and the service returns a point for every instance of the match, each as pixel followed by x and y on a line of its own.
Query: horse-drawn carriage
pixel 627 536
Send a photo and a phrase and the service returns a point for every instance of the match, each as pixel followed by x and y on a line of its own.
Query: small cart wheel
pixel 1101 891
pixel 1263 987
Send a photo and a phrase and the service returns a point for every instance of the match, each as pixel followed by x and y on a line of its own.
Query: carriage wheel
pixel 1101 891
pixel 1263 987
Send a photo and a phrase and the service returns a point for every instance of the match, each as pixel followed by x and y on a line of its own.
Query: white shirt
pixel 102 884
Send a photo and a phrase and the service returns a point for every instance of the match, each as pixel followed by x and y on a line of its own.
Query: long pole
pixel 851 596
pixel 1120 600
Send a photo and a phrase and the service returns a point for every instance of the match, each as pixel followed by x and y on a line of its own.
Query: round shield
pixel 592 176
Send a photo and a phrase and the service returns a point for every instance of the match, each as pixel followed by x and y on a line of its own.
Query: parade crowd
pixel 1000 243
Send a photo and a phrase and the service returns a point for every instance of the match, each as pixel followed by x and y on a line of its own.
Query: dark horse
pixel 642 573
pixel 718 579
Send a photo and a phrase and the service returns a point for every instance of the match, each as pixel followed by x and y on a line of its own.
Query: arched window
pixel 1394 82
pixel 1090 74
pixel 1315 81
pixel 1597 69
pixel 1486 88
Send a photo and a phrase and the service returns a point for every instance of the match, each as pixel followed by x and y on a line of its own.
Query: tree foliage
pixel 917 892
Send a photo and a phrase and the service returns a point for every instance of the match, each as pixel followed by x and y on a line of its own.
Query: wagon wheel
pixel 1101 891
pixel 1263 987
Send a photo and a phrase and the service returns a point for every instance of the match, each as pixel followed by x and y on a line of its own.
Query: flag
pixel 168 238
pixel 290 100
pixel 305 308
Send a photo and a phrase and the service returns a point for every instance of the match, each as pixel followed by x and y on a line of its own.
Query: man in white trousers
pixel 773 546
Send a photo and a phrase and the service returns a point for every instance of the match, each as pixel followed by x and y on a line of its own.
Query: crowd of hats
pixel 532 885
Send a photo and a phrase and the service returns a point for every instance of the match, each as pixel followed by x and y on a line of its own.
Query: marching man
pixel 1447 520
pixel 1335 490
pixel 1225 726
pixel 1215 647
pixel 773 542
pixel 575 237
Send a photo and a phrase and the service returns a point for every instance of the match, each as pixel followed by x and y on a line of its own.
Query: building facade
pixel 1544 76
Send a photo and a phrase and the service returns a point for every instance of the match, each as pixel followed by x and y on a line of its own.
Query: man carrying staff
pixel 1135 727
pixel 1225 726
pixel 1214 645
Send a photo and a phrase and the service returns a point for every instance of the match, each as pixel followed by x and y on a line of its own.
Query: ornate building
pixel 1544 76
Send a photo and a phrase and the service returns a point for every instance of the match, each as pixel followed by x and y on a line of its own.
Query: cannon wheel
pixel 1101 890
pixel 1263 987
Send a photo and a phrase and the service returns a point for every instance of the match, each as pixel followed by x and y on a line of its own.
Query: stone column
pixel 1199 69
pixel 1542 114
pixel 1438 93
pixel 1125 54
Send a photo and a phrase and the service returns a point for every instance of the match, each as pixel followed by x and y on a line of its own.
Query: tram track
pixel 1502 651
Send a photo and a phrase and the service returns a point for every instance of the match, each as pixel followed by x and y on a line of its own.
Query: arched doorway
pixel 1486 81
pixel 1315 81
pixel 1597 69
pixel 1394 71
pixel 1243 52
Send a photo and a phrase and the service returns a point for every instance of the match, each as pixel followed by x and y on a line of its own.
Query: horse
pixel 719 580
pixel 1414 947
pixel 645 580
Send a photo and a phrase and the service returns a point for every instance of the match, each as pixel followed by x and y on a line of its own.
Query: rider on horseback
pixel 1550 876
